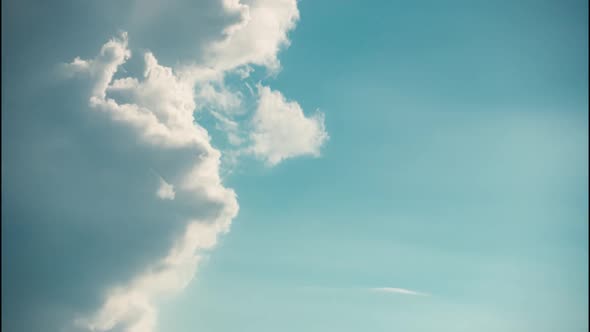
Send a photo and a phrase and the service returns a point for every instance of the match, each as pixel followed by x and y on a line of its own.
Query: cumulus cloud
pixel 403 291
pixel 163 103
pixel 159 107
pixel 160 110
pixel 281 130
pixel 132 307
pixel 144 115
pixel 258 38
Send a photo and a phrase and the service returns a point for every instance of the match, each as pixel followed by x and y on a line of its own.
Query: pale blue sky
pixel 456 166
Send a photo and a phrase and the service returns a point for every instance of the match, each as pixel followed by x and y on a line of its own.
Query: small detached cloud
pixel 403 291
pixel 166 190
pixel 281 130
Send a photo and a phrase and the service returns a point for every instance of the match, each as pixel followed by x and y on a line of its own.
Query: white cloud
pixel 133 306
pixel 281 130
pixel 258 38
pixel 218 97
pixel 160 109
pixel 166 190
pixel 103 67
pixel 403 291
pixel 163 103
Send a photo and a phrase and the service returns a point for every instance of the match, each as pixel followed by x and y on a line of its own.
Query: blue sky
pixel 398 166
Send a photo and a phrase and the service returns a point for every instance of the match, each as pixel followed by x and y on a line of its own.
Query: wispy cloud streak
pixel 393 290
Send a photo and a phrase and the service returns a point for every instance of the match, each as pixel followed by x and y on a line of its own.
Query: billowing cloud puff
pixel 162 104
pixel 132 307
pixel 258 38
pixel 160 110
pixel 281 130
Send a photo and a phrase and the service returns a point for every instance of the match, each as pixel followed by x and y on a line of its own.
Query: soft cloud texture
pixel 281 130
pixel 402 291
pixel 166 190
pixel 163 104
pixel 160 109
pixel 133 306
pixel 258 38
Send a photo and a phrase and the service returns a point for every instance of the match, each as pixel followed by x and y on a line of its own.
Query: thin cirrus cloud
pixel 393 290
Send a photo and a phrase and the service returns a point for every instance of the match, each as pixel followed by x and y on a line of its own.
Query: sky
pixel 282 165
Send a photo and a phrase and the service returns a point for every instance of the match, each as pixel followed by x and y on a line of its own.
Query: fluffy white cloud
pixel 132 307
pixel 163 103
pixel 102 68
pixel 258 38
pixel 281 130
pixel 160 108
